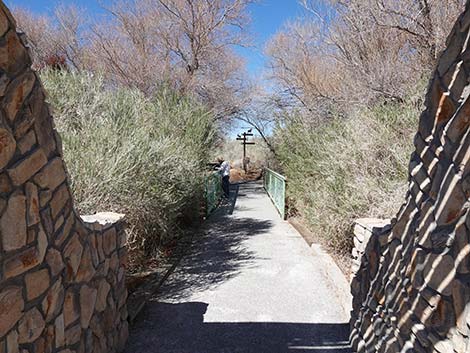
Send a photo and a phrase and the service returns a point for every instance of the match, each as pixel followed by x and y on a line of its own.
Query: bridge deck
pixel 250 284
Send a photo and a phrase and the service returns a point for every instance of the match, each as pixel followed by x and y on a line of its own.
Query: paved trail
pixel 250 284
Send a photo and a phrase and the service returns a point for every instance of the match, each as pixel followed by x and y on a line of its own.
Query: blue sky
pixel 267 17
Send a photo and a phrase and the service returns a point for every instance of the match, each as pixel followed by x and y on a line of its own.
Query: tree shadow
pixel 217 254
pixel 180 328
pixel 252 189
pixel 174 325
pixel 226 207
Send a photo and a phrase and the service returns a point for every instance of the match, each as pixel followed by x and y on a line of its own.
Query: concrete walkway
pixel 250 284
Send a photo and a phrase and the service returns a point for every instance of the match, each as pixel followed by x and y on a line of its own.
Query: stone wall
pixel 412 289
pixel 363 230
pixel 62 281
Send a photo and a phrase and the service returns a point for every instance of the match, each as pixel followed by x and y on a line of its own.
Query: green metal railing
pixel 213 191
pixel 275 186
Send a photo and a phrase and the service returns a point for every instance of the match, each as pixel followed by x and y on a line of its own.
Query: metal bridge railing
pixel 275 186
pixel 213 191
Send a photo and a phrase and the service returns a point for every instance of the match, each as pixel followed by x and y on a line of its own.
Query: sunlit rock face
pixel 412 288
pixel 62 281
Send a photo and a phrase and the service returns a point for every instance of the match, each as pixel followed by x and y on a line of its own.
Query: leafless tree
pixel 187 44
pixel 302 67
pixel 57 38
pixel 260 115
pixel 125 47
pixel 348 52
pixel 39 32
pixel 70 35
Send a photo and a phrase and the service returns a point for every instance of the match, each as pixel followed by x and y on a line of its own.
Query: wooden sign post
pixel 245 143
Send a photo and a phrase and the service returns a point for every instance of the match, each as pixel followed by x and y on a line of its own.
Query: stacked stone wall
pixel 62 277
pixel 412 289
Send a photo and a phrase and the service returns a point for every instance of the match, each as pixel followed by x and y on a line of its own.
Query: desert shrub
pixel 348 168
pixel 132 154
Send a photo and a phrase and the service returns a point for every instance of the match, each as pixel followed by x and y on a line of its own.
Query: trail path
pixel 249 284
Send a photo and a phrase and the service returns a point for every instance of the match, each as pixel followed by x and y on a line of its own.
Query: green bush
pixel 131 154
pixel 347 168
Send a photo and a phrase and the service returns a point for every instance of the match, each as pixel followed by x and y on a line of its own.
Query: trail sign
pixel 245 143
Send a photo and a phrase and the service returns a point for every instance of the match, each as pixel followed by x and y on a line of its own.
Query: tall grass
pixel 132 154
pixel 348 168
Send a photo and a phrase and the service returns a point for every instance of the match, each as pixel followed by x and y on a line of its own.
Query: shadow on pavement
pixel 180 328
pixel 251 189
pixel 227 207
pixel 217 255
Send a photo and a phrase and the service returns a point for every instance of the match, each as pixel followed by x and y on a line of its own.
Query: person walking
pixel 224 170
